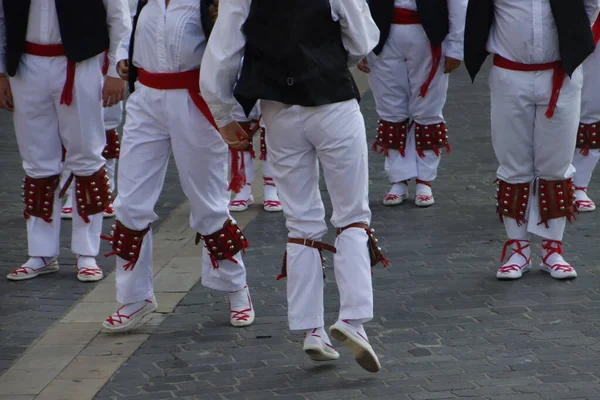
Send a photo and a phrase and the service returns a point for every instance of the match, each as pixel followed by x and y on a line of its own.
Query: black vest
pixel 432 13
pixel 294 55
pixel 207 26
pixel 575 37
pixel 83 29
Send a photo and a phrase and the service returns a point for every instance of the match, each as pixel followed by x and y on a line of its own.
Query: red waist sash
pixel 402 16
pixel 558 77
pixel 56 50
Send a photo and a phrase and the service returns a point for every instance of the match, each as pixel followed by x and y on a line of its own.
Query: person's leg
pixel 36 128
pixel 144 157
pixel 198 146
pixel 554 145
pixel 82 133
pixel 512 126
pixel 338 133
pixel 296 174
pixel 388 80
pixel 587 152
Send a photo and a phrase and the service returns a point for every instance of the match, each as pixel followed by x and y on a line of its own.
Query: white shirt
pixel 457 13
pixel 221 62
pixel 43 28
pixel 169 39
pixel 524 31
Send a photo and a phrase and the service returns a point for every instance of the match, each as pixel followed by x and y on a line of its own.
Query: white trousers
pixel 527 144
pixel 112 117
pixel 299 138
pixel 590 113
pixel 43 126
pixel 158 122
pixel 396 77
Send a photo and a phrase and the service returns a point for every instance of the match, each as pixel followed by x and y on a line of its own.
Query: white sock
pixel 398 188
pixel 270 190
pixel 357 324
pixel 86 262
pixel 240 300
pixel 423 190
pixel 245 193
pixel 320 332
pixel 39 262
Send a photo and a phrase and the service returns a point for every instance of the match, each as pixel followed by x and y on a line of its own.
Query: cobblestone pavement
pixel 29 308
pixel 445 328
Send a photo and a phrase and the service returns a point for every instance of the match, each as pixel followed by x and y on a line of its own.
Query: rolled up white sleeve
pixel 454 43
pixel 222 60
pixel 118 20
pixel 360 34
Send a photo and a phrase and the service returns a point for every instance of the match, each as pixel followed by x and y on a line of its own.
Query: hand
pixel 214 10
pixel 234 136
pixel 123 69
pixel 450 64
pixel 363 66
pixel 6 99
pixel 113 91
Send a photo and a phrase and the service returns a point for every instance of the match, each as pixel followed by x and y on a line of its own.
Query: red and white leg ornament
pixel 126 243
pixel 92 193
pixel 391 136
pixel 38 196
pixel 224 243
pixel 432 137
pixel 553 261
pixel 556 200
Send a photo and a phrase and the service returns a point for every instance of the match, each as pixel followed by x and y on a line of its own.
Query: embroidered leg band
pixel 587 138
pixel 92 193
pixel 126 243
pixel 374 250
pixel 512 200
pixel 320 246
pixel 225 243
pixel 38 196
pixel 391 136
pixel 556 200
pixel 432 137
pixel 112 148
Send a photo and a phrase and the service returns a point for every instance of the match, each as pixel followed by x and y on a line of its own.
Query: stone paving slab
pixel 30 308
pixel 445 328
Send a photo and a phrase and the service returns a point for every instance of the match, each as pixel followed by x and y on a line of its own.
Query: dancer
pixel 55 86
pixel 587 150
pixel 166 112
pixel 295 58
pixel 535 89
pixel 244 160
pixel 421 43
